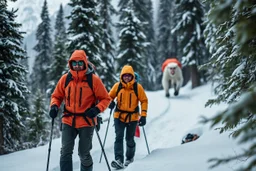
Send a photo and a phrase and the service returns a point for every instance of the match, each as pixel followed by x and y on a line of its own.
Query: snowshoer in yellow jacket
pixel 127 114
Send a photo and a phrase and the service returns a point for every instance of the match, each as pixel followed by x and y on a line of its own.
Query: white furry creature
pixel 172 77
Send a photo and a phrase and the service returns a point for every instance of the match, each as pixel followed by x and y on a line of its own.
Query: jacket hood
pixel 81 56
pixel 127 69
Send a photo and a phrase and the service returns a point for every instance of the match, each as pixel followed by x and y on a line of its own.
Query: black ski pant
pixel 69 135
pixel 129 130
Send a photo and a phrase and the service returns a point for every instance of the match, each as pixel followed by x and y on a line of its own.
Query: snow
pixel 168 121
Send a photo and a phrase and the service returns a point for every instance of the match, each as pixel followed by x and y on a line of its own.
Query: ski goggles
pixel 127 75
pixel 79 63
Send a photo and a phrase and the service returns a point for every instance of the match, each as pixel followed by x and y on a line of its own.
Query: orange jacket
pixel 78 96
pixel 170 60
pixel 127 99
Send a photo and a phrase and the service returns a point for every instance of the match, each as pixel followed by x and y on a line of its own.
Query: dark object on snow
pixel 190 137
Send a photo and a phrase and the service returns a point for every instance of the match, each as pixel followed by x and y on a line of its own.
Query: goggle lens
pixel 80 63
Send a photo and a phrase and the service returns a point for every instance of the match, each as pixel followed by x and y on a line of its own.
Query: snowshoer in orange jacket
pixel 127 115
pixel 82 104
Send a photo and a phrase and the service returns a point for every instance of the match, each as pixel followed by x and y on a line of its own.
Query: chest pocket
pixel 76 92
pixel 127 101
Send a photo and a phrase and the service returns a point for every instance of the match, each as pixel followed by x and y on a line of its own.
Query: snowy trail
pixel 167 122
pixel 141 148
pixel 168 111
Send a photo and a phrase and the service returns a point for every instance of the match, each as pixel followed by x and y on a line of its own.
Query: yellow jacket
pixel 127 101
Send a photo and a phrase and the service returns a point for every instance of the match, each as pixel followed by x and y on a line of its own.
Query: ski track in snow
pixel 153 118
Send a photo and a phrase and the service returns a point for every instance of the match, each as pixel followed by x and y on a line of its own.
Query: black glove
pixel 92 112
pixel 112 105
pixel 53 111
pixel 142 121
pixel 99 121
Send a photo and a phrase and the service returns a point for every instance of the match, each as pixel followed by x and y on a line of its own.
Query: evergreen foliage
pixel 84 31
pixel 166 41
pixel 132 41
pixel 12 81
pixel 151 56
pixel 40 74
pixel 190 16
pixel 143 10
pixel 60 56
pixel 24 62
pixel 107 53
pixel 38 123
pixel 59 61
pixel 234 61
pixel 165 23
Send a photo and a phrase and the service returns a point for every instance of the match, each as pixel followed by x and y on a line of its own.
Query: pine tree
pixel 25 103
pixel 59 61
pixel 38 130
pixel 60 56
pixel 108 49
pixel 190 29
pixel 24 62
pixel 234 61
pixel 165 24
pixel 166 41
pixel 151 51
pixel 84 30
pixel 40 74
pixel 132 41
pixel 143 10
pixel 12 81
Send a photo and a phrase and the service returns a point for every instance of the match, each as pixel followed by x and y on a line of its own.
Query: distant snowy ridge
pixel 29 12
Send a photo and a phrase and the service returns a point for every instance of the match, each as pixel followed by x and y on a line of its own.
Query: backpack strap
pixel 90 82
pixel 68 79
pixel 120 86
pixel 135 88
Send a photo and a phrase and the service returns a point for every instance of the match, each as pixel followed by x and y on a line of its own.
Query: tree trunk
pixel 186 75
pixel 195 77
pixel 1 135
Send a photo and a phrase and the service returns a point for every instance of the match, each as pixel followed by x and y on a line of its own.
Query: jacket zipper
pixel 75 95
pixel 69 96
pixel 80 98
pixel 120 104
pixel 130 104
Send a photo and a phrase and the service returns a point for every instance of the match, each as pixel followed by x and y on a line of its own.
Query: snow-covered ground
pixel 168 121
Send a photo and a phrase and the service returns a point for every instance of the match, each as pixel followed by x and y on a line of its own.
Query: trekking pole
pixel 102 148
pixel 50 143
pixel 146 139
pixel 106 134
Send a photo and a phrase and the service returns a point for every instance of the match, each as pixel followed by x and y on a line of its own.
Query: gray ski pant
pixel 69 135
